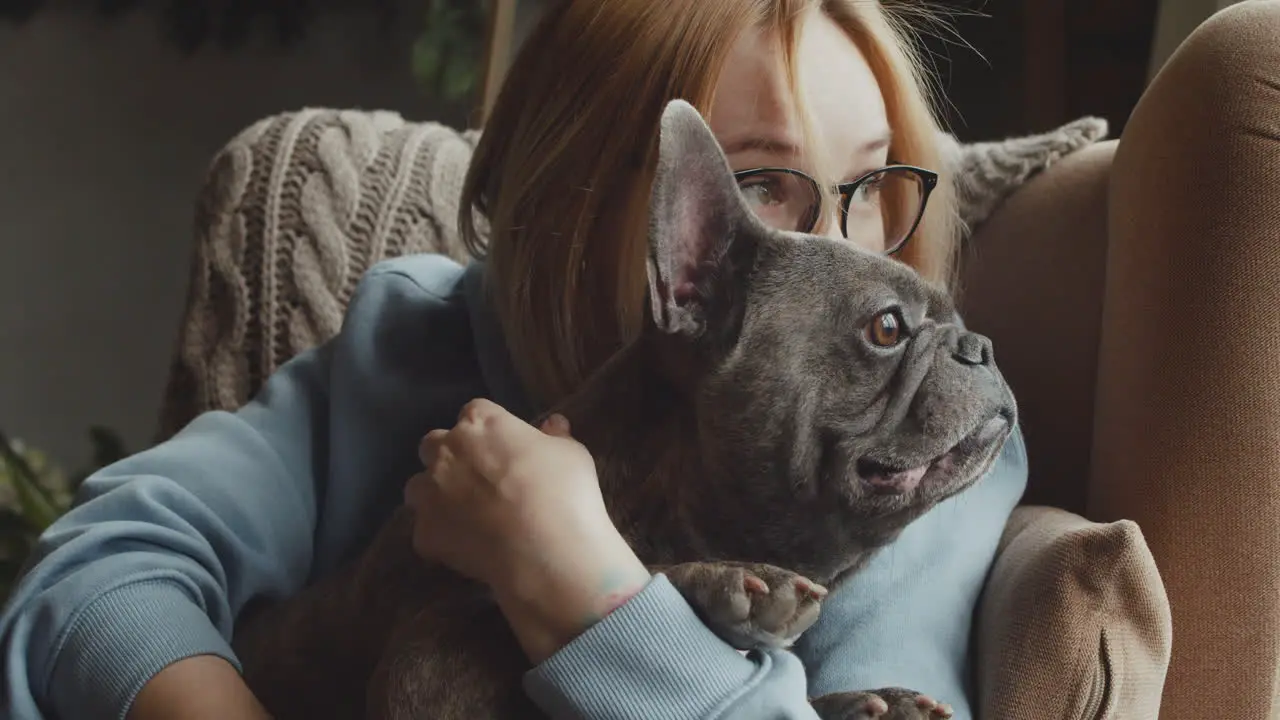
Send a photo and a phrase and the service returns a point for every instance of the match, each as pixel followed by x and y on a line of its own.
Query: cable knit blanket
pixel 298 206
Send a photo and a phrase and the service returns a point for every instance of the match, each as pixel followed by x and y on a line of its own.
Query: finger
pixel 487 437
pixel 475 421
pixel 430 445
pixel 439 476
pixel 447 472
pixel 478 411
pixel 557 425
pixel 416 489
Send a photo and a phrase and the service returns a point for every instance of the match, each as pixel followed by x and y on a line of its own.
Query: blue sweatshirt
pixel 164 549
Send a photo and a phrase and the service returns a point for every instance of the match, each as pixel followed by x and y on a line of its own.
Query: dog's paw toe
pixel 750 605
pixel 884 704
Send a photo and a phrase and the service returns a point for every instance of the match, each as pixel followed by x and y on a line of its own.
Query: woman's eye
pixel 763 192
pixel 885 329
pixel 868 190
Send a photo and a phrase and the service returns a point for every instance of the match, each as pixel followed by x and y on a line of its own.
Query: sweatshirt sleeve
pixel 654 659
pixel 162 550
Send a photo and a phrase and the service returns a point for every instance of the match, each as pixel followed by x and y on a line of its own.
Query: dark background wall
pixel 105 134
pixel 1043 62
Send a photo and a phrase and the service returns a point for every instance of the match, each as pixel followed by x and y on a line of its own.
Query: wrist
pixel 550 605
pixel 197 688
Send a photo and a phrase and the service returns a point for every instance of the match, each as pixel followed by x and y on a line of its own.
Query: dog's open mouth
pixel 887 479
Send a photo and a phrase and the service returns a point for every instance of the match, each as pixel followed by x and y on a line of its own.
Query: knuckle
pixel 477 411
pixel 432 445
pixel 440 464
pixel 415 491
pixel 428 447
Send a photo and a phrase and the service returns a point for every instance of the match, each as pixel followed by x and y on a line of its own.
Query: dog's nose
pixel 972 349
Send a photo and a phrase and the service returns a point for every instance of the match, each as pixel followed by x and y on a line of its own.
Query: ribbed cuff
pixel 651 659
pixel 121 640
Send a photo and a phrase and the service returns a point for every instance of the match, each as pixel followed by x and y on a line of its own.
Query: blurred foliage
pixel 446 57
pixel 34 491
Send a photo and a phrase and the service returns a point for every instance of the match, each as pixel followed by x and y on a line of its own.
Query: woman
pixel 134 593
pixel 131 597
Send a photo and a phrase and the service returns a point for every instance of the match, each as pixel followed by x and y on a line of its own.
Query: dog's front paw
pixel 749 605
pixel 884 704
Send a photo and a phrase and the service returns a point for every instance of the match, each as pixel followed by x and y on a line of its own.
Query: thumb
pixel 556 425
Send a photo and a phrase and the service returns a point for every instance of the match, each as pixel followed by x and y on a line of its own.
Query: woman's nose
pixel 830 226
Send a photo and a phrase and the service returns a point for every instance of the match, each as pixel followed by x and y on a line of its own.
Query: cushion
pixel 985 173
pixel 1075 622
pixel 294 210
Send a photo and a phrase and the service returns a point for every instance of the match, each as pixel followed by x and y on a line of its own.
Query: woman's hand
pixel 520 509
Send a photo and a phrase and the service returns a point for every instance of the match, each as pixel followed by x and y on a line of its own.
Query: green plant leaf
pixel 426 59
pixel 40 496
pixel 36 506
pixel 36 502
pixel 446 54
pixel 459 81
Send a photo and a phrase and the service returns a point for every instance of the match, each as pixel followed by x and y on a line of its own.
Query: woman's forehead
pixel 754 110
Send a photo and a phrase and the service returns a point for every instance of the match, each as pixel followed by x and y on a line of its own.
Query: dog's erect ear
pixel 696 214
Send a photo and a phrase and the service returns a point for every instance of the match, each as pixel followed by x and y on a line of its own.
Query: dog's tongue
pixel 890 480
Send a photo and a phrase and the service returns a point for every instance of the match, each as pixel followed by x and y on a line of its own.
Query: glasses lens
pixel 883 209
pixel 782 200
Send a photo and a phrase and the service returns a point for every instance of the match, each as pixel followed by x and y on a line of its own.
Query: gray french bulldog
pixel 794 403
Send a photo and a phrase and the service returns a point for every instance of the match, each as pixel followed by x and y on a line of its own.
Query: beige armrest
pixel 1074 622
pixel 1032 282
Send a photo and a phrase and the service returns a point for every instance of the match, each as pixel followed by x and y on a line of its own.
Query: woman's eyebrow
pixel 763 143
pixel 879 141
pixel 786 150
pixel 776 145
pixel 864 160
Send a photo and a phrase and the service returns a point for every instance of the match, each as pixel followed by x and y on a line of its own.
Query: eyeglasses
pixel 882 207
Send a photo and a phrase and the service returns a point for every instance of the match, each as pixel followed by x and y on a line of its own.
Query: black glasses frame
pixel 928 181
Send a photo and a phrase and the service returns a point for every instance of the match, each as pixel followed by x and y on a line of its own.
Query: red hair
pixel 563 169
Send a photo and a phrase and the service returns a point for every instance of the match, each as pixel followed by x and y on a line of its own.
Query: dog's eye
pixel 885 329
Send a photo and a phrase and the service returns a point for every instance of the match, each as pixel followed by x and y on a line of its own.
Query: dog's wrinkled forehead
pixel 840 275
